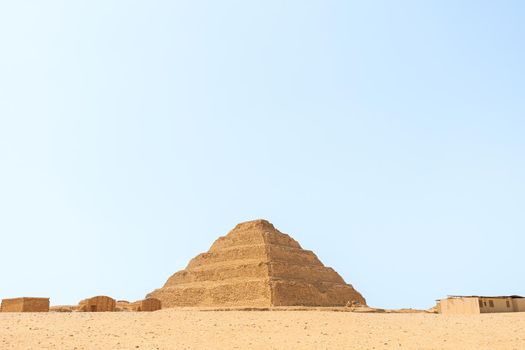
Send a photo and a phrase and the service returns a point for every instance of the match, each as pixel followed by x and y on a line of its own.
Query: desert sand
pixel 182 329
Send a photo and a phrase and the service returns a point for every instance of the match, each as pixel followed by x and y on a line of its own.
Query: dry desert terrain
pixel 183 329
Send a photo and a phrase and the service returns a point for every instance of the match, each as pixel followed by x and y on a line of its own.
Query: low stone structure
pixel 99 303
pixel 149 304
pixel 25 305
pixel 476 304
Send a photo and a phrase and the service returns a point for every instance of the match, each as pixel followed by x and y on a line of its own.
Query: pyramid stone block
pixel 255 265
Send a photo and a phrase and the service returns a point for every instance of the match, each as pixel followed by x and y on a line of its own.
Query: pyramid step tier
pixel 233 293
pixel 256 292
pixel 246 237
pixel 256 269
pixel 261 252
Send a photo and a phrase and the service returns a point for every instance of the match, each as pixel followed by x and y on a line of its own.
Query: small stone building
pixel 475 304
pixel 99 303
pixel 149 304
pixel 25 305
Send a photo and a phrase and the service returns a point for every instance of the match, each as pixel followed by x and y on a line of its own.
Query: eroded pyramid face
pixel 255 265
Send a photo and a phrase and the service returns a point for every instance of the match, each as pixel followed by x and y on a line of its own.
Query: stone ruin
pixel 255 265
pixel 25 305
pixel 99 303
pixel 149 304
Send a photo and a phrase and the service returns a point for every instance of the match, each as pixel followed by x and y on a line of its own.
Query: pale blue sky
pixel 386 136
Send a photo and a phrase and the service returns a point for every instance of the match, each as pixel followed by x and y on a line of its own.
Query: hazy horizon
pixel 388 138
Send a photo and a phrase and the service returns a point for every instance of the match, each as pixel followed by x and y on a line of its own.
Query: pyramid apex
pixel 259 223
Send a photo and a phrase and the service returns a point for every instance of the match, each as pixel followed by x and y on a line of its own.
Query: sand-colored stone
pixel 149 304
pixel 63 308
pixel 297 330
pixel 122 305
pixel 25 305
pixel 255 265
pixel 457 305
pixel 99 303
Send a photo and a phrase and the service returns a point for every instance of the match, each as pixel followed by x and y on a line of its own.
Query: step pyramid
pixel 255 265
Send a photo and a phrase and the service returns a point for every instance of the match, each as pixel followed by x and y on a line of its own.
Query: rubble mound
pixel 255 265
pixel 149 304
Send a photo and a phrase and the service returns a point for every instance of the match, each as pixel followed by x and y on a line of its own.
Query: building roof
pixel 26 298
pixel 486 296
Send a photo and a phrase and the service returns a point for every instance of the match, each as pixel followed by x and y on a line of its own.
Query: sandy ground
pixel 175 329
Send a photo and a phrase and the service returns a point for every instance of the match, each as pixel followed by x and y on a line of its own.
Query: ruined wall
pixel 145 305
pixel 36 304
pixel 491 305
pixel 459 306
pixel 518 304
pixel 255 265
pixel 476 305
pixel 12 305
pixel 99 303
pixel 25 305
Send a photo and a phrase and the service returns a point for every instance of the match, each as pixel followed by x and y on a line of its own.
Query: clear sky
pixel 386 136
